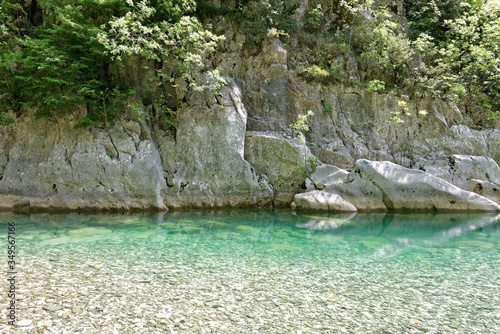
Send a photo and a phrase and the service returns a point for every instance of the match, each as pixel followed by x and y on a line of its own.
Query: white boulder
pixel 320 200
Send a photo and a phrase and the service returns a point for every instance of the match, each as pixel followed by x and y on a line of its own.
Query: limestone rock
pixel 478 167
pixel 484 188
pixel 24 323
pixel 13 202
pixel 473 142
pixel 204 165
pixel 478 174
pixel 76 309
pixel 275 52
pixel 359 191
pixel 333 152
pixel 264 82
pixel 351 124
pixel 285 160
pixel 52 307
pixel 327 174
pixel 324 201
pixel 404 188
pixel 211 161
pixel 384 185
pixel 65 168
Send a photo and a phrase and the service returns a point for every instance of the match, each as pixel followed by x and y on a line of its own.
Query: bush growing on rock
pixel 69 56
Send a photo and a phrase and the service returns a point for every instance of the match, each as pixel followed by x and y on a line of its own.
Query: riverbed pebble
pixel 184 284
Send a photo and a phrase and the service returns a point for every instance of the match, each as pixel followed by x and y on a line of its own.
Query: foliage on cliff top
pixel 444 48
pixel 59 54
pixel 56 55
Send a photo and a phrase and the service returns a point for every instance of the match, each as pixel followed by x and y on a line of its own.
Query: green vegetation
pixel 313 163
pixel 315 72
pixel 464 65
pixel 314 19
pixel 328 109
pixel 387 51
pixel 375 86
pixel 58 55
pixel 302 123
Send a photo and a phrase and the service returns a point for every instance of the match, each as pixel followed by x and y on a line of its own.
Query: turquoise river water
pixel 253 272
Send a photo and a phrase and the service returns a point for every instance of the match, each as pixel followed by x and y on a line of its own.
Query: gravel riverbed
pixel 183 278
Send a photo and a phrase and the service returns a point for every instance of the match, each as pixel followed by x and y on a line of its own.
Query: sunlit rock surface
pixel 236 148
pixel 383 185
pixel 320 200
pixel 51 165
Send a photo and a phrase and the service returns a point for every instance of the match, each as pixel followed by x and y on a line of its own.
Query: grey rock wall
pixel 349 123
pixel 51 165
pixel 204 164
pixel 284 160
pixel 237 148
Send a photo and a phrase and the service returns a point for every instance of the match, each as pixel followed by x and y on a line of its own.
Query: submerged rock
pixel 404 188
pixel 52 307
pixel 24 323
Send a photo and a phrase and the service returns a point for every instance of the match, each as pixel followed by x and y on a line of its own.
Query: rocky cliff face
pixel 237 148
pixel 50 165
pixel 351 123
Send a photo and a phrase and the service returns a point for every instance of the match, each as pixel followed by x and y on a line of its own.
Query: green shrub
pixel 68 61
pixel 314 19
pixel 302 123
pixel 328 109
pixel 376 86
pixel 314 72
pixel 5 119
pixel 387 52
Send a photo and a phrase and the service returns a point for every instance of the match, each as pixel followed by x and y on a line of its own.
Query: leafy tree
pixel 184 42
pixel 387 51
pixel 67 61
pixel 315 18
pixel 430 16
pixel 466 67
pixel 61 64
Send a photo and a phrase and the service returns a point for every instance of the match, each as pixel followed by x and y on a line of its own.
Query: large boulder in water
pixel 383 185
pixel 321 200
pixel 404 188
pixel 358 191
pixel 284 159
pixel 478 174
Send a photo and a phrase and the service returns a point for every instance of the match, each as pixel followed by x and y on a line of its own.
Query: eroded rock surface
pixel 204 164
pixel 53 166
pixel 284 160
pixel 236 148
pixel 383 185
pixel 324 201
pixel 404 188
pixel 478 174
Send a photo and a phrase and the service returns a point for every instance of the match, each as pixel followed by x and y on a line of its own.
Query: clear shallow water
pixel 257 272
